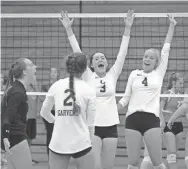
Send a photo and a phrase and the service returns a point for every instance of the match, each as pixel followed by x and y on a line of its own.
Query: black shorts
pixel 106 132
pixel 142 121
pixel 31 128
pixel 78 154
pixel 177 128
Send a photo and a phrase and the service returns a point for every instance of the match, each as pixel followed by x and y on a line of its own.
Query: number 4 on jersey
pixel 145 81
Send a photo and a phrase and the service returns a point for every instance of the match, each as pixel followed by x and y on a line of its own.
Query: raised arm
pixel 67 23
pixel 118 66
pixel 166 48
pixel 87 75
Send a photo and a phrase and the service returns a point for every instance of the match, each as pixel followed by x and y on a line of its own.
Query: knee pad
pixel 161 166
pixel 132 167
pixel 171 158
pixel 147 159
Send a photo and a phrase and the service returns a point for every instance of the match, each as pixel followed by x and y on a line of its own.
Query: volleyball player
pixel 172 137
pixel 182 110
pixel 14 108
pixel 54 76
pixel 142 95
pixel 104 82
pixel 168 106
pixel 74 117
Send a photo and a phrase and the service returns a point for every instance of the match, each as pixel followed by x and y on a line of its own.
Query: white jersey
pixel 106 107
pixel 146 97
pixel 70 133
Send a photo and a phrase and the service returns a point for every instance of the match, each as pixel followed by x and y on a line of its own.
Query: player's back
pixel 70 128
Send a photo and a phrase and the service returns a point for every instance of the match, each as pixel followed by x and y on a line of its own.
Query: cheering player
pixel 104 84
pixel 142 95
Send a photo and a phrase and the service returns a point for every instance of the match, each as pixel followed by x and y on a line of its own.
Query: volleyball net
pixel 42 38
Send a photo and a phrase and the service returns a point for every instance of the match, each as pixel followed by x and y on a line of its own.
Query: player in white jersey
pixel 181 111
pixel 74 102
pixel 142 95
pixel 168 106
pixel 104 83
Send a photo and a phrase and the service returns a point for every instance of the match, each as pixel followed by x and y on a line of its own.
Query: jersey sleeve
pixel 86 76
pixel 91 109
pixel 162 67
pixel 48 105
pixel 11 109
pixel 128 91
pixel 118 65
pixel 74 44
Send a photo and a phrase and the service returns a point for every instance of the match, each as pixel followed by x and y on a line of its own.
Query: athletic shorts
pixel 78 154
pixel 106 132
pixel 31 128
pixel 142 121
pixel 14 140
pixel 177 128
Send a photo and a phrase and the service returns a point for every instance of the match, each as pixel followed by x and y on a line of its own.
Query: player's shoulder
pixel 61 82
pixel 86 88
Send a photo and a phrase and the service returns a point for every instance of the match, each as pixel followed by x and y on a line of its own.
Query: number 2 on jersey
pixel 145 81
pixel 67 101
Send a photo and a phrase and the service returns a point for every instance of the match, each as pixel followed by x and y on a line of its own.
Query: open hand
pixel 65 20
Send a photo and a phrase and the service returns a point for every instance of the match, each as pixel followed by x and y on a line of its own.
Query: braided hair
pixel 76 64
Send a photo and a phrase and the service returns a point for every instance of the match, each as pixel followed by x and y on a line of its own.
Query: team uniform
pixel 71 131
pixel 143 96
pixel 171 105
pixel 14 108
pixel 107 118
pixel 31 116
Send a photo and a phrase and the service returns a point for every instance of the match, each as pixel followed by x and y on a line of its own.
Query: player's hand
pixel 7 146
pixel 129 19
pixel 171 19
pixel 119 107
pixel 65 20
pixel 170 123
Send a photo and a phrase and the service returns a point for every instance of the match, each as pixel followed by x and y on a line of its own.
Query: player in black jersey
pixel 14 108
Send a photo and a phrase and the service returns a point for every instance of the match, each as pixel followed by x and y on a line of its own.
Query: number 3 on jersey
pixel 145 81
pixel 67 101
pixel 103 87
